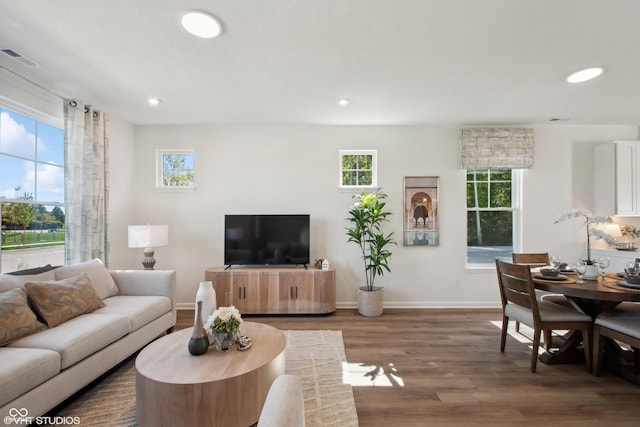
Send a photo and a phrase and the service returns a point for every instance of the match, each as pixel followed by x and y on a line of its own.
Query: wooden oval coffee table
pixel 174 388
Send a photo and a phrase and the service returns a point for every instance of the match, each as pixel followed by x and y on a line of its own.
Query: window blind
pixel 497 148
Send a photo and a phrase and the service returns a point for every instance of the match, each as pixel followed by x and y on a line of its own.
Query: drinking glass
pixel 632 268
pixel 555 261
pixel 603 263
pixel 581 268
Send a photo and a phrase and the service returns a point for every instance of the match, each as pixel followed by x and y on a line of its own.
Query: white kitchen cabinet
pixel 617 178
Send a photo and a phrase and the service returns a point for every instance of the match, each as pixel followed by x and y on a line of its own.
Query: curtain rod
pixel 32 82
pixel 73 103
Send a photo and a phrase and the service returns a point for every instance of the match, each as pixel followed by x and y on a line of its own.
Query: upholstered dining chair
pixel 539 259
pixel 622 323
pixel 519 302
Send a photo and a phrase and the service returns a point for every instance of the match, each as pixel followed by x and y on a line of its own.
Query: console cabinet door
pixel 246 291
pixel 273 291
pixel 324 291
pixel 298 288
pixel 270 292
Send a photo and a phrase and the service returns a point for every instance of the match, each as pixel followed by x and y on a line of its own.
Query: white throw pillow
pixel 10 281
pixel 99 276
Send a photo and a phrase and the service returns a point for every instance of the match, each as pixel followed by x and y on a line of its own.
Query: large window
pixel 492 214
pixel 31 192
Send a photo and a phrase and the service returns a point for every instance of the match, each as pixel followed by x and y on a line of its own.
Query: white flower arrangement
pixel 589 219
pixel 224 319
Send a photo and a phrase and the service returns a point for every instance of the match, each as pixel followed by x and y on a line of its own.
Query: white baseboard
pixel 413 304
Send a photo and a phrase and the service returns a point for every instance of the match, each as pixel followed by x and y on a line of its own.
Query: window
pixel 358 169
pixel 175 170
pixel 32 209
pixel 492 212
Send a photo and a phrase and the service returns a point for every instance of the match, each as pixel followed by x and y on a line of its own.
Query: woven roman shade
pixel 497 148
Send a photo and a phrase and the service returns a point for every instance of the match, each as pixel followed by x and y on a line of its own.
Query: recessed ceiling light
pixel 154 101
pixel 584 75
pixel 201 24
pixel 343 101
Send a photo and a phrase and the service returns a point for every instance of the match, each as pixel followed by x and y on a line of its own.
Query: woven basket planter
pixel 370 303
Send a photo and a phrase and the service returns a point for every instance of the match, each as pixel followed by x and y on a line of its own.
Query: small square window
pixel 175 170
pixel 358 169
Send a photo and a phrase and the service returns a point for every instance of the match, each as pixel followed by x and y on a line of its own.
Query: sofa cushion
pixel 57 301
pixel 79 337
pixel 11 281
pixel 16 318
pixel 139 309
pixel 23 369
pixel 100 277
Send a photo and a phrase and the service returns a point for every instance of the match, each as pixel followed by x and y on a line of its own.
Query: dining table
pixel 592 297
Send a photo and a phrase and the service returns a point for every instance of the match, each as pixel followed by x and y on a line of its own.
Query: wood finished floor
pixel 448 371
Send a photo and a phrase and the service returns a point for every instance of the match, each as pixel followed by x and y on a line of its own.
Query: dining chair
pixel 622 323
pixel 519 302
pixel 539 259
pixel 531 259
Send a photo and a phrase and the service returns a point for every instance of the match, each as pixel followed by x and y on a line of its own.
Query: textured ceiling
pixel 401 62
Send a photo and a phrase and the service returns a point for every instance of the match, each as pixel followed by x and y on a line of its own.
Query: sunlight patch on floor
pixel 525 335
pixel 361 375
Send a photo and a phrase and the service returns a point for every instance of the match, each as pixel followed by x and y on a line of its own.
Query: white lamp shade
pixel 148 236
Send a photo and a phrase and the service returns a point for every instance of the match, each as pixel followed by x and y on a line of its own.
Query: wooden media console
pixel 275 290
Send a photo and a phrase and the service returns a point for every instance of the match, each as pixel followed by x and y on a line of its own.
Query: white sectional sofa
pixel 78 322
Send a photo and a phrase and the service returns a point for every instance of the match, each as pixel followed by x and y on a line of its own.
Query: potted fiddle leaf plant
pixel 367 217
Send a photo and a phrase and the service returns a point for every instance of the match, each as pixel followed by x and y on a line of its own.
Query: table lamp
pixel 148 237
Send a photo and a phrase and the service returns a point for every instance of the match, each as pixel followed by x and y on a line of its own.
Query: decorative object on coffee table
pixel 224 341
pixel 244 342
pixel 207 295
pixel 224 324
pixel 199 342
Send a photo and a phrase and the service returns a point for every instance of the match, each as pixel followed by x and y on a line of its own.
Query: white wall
pixel 122 180
pixel 293 169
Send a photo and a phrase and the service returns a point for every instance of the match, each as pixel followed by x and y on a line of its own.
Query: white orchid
pixel 589 219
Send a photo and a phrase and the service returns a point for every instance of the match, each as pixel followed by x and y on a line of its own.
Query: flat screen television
pixel 274 239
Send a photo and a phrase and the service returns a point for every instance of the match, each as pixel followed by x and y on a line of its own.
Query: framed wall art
pixel 421 220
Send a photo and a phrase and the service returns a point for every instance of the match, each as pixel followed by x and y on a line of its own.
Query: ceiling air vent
pixel 15 55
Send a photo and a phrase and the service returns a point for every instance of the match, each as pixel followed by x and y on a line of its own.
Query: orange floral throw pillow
pixel 16 318
pixel 57 301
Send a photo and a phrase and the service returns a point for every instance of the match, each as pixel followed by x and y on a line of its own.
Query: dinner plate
pixel 628 285
pixel 558 277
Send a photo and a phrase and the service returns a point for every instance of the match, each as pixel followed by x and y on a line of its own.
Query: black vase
pixel 199 342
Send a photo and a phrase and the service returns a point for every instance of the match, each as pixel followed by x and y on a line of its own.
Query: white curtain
pixel 86 183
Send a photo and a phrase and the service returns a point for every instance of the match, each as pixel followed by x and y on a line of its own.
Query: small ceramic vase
pixel 199 342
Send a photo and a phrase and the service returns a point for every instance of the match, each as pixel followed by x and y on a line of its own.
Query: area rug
pixel 316 357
